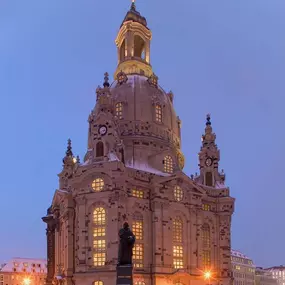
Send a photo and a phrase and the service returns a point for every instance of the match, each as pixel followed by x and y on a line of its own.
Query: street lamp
pixel 207 275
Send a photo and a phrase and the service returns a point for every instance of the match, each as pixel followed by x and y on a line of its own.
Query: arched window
pixel 168 164
pixel 209 179
pixel 119 110
pixel 178 243
pixel 99 236
pixel 206 241
pixel 178 193
pixel 139 47
pixel 98 283
pixel 98 184
pixel 99 149
pixel 122 51
pixel 138 251
pixel 158 113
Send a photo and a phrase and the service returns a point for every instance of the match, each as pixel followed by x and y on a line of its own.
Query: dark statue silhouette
pixel 127 241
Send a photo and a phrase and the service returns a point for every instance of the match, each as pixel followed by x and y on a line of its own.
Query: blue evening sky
pixel 226 57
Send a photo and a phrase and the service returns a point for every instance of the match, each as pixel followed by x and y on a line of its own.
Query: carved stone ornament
pixel 155 98
pixel 181 161
pixel 122 78
pixel 153 80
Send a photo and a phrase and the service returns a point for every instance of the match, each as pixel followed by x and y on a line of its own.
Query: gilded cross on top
pixel 133 4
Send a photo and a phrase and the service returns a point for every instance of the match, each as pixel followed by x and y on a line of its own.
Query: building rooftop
pixel 237 253
pixel 30 265
pixel 280 267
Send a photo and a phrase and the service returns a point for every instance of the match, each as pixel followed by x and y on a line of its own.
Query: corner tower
pixel 209 157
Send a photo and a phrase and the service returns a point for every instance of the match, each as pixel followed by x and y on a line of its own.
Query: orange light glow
pixel 207 275
pixel 27 281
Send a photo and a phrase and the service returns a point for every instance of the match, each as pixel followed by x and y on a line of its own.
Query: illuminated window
pixel 119 110
pixel 178 256
pixel 206 245
pixel 158 113
pixel 138 226
pixel 177 243
pixel 206 258
pixel 139 283
pixel 137 193
pixel 99 216
pixel 98 283
pixel 98 184
pixel 178 193
pixel 206 207
pixel 168 164
pixel 138 255
pixel 206 236
pixel 99 232
pixel 177 230
pixel 138 229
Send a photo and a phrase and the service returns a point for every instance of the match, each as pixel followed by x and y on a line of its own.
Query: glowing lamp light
pixel 27 281
pixel 74 160
pixel 207 275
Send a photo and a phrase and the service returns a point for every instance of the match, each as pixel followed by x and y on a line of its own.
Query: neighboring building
pixel 24 271
pixel 243 269
pixel 264 277
pixel 278 273
pixel 133 171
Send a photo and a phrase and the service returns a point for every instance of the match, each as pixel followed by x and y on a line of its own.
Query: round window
pixel 98 184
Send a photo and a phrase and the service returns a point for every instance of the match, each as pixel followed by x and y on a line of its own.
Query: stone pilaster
pixel 225 248
pixel 50 233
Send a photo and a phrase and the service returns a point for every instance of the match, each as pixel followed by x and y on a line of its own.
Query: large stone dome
pixel 148 123
pixel 141 98
pixel 145 127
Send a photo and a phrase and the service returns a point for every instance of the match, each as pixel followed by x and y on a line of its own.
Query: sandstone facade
pixel 133 171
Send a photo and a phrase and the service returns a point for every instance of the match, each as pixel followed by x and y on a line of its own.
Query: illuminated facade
pixel 24 271
pixel 264 277
pixel 243 269
pixel 133 171
pixel 278 273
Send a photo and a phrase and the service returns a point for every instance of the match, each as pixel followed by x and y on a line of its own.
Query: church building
pixel 133 172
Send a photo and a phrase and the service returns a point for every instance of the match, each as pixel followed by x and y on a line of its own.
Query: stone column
pixel 199 224
pixel 50 232
pixel 147 51
pixel 69 244
pixel 82 233
pixel 157 235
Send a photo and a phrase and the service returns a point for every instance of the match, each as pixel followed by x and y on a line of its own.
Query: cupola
pixel 133 45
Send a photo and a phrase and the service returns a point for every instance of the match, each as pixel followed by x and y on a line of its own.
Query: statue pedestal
pixel 124 275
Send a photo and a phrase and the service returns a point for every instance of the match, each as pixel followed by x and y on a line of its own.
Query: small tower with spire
pixel 68 159
pixel 209 157
pixel 133 44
